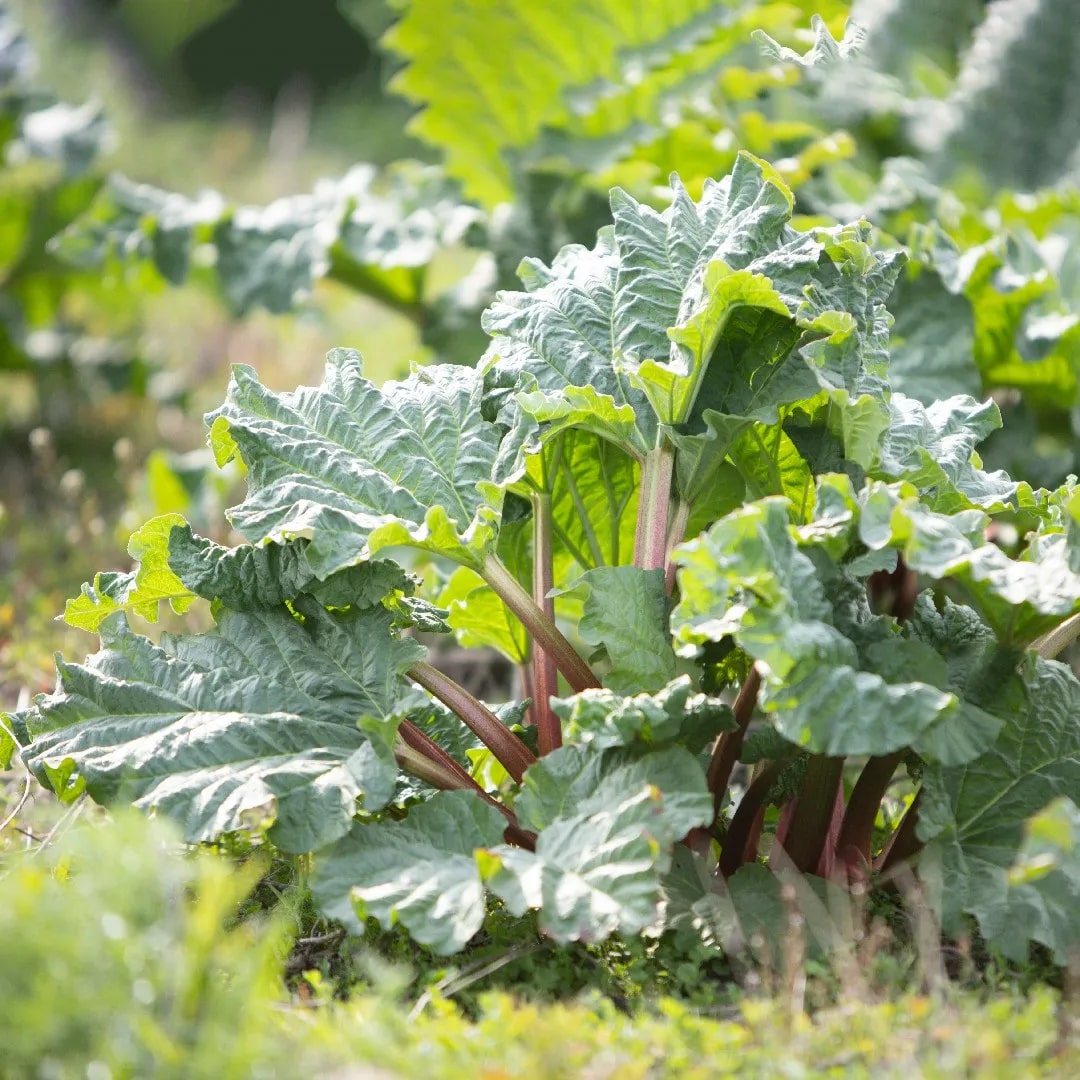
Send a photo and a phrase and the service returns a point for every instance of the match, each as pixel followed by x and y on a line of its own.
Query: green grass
pixel 124 956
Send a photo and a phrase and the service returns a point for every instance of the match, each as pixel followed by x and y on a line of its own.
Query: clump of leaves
pixel 678 491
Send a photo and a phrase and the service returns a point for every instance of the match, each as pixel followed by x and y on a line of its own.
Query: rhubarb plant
pixel 761 601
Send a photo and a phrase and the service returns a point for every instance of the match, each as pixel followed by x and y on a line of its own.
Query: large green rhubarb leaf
pixel 177 566
pixel 249 578
pixel 594 319
pixel 607 822
pixel 820 649
pixel 589 877
pixel 823 348
pixel 264 721
pixel 593 76
pixel 353 468
pixel 578 781
pixel 555 342
pixel 421 872
pixel 705 321
pixel 625 612
pixel 973 818
pixel 933 447
pixel 1045 878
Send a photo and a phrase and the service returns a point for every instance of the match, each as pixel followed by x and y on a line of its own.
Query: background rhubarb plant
pixel 771 613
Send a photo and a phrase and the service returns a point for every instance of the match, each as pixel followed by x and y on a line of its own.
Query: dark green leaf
pixel 261 722
pixel 421 872
pixel 973 818
pixel 353 468
pixel 626 612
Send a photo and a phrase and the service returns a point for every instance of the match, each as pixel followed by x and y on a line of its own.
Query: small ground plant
pixel 771 616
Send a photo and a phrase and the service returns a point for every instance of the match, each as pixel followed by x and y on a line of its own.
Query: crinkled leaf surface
pixel 590 876
pixel 140 591
pixel 754 369
pixel 625 612
pixel 603 718
pixel 824 349
pixel 692 268
pixel 421 872
pixel 577 781
pixel 247 578
pixel 973 818
pixel 837 679
pixel 607 823
pixel 710 319
pixel 556 343
pixel 594 316
pixel 1046 876
pixel 352 467
pixel 263 721
pixel 933 447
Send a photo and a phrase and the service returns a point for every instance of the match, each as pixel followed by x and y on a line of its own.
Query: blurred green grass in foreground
pixel 123 957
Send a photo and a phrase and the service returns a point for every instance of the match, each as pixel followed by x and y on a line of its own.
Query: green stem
pixel 362 281
pixel 543 630
pixel 654 506
pixel 857 831
pixel 513 754
pixel 729 745
pixel 675 537
pixel 1051 644
pixel 420 761
pixel 545 673
pixel 816 803
pixel 739 832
